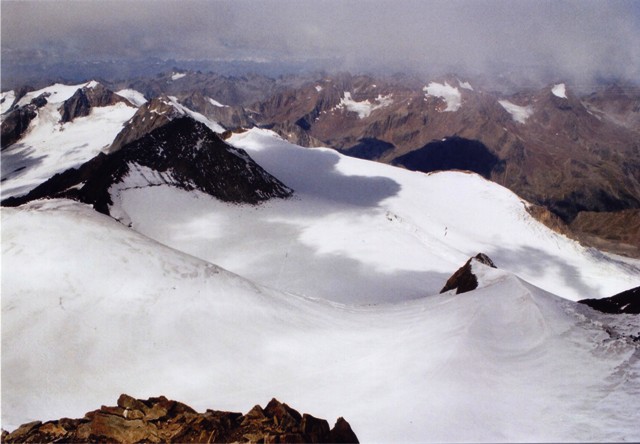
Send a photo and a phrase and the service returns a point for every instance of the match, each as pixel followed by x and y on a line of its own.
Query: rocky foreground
pixel 162 420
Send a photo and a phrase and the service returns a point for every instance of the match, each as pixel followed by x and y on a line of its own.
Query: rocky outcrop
pixel 627 302
pixel 183 153
pixel 150 116
pixel 464 280
pixel 16 122
pixel 159 419
pixel 86 98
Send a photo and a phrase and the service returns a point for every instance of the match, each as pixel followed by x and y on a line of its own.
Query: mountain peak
pixel 182 153
pixel 91 95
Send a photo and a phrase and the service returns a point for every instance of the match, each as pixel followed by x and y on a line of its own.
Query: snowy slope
pixel 91 309
pixel 363 232
pixel 50 147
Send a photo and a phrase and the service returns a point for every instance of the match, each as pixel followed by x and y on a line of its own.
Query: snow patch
pixel 178 75
pixel 465 85
pixel 213 126
pixel 559 90
pixel 318 88
pixel 7 98
pixel 519 113
pixel 365 107
pixel 449 93
pixel 216 103
pixel 133 96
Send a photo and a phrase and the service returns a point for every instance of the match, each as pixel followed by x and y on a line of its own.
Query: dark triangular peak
pixel 84 99
pixel 627 302
pixel 150 116
pixel 183 153
pixel 464 280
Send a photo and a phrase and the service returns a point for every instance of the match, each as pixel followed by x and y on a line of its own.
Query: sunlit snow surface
pixel 363 232
pixel 91 309
pixel 51 147
pixel 333 308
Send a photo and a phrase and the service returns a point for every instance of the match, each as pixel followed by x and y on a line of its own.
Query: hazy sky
pixel 569 38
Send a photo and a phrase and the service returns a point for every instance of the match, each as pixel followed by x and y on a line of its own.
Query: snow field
pixel 103 310
pixel 362 232
pixel 50 147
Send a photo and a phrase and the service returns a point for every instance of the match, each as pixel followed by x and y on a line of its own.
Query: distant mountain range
pixel 571 152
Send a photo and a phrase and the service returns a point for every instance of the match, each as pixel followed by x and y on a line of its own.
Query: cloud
pixel 566 38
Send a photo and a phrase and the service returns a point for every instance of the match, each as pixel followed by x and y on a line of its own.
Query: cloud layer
pixel 565 38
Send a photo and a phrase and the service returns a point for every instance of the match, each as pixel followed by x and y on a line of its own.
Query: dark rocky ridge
pixel 158 420
pixel 86 98
pixel 463 280
pixel 627 302
pixel 16 121
pixel 182 153
pixel 150 116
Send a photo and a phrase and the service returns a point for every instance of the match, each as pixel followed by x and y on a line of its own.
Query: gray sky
pixel 567 38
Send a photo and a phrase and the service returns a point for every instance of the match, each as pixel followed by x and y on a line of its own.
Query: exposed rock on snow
pixel 625 302
pixel 84 99
pixel 154 114
pixel 464 279
pixel 15 123
pixel 183 153
pixel 162 420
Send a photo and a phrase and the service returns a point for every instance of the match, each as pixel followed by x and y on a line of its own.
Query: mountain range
pixel 157 239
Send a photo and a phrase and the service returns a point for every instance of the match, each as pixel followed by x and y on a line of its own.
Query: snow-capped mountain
pixel 47 143
pixel 205 283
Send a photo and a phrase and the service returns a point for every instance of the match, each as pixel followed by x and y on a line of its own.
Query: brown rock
pixel 163 420
pixel 128 402
pixel 342 433
pixel 463 280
